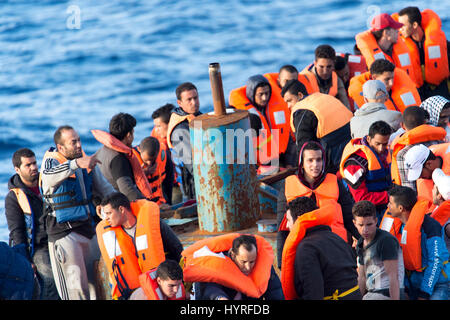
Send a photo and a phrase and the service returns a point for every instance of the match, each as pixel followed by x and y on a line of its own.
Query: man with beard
pixel 26 219
pixel 70 181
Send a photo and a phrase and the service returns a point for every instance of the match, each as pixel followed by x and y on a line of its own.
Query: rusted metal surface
pixel 225 181
pixel 267 196
pixel 102 286
pixel 267 225
pixel 215 78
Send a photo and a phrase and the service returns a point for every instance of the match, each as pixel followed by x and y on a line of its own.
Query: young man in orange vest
pixel 382 42
pixel 158 167
pixel 322 77
pixel 313 181
pixel 232 267
pixel 401 89
pixel 324 266
pixel 313 118
pixel 133 240
pixel 366 167
pixel 423 34
pixel 417 132
pixel 424 252
pixel 441 198
pixel 178 135
pixel 24 211
pixel 420 162
pixel 163 283
pixel 439 109
pixel 380 259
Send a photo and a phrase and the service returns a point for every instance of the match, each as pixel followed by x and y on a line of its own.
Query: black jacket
pixel 323 264
pixel 16 220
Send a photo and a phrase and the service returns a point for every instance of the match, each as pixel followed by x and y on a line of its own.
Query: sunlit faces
pixel 284 76
pixel 189 102
pixel 407 29
pixel 70 146
pixel 387 78
pixel 169 287
pixel 292 99
pixel 115 217
pixel 324 68
pixel 379 143
pixel 28 170
pixel 262 96
pixel 245 260
pixel 160 128
pixel 312 163
pixel 366 226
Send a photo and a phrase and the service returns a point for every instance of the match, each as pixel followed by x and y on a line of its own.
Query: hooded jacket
pixel 434 106
pixel 252 84
pixel 369 113
pixel 17 221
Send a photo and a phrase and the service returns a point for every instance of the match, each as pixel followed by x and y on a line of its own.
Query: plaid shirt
pixel 402 170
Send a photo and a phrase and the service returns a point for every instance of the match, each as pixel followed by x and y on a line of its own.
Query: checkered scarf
pixel 434 107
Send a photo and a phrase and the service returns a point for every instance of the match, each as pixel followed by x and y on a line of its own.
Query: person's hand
pixel 87 162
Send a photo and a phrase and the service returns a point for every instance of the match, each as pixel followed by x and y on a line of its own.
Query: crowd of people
pixel 366 215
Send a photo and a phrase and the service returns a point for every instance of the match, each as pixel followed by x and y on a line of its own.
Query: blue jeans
pixel 441 291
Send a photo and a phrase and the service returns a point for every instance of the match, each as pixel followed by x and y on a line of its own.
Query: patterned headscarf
pixel 434 107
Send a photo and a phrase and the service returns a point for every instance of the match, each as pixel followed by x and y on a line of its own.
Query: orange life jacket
pixel 378 178
pixel 151 288
pixel 113 143
pixel 356 64
pixel 157 177
pixel 321 216
pixel 436 67
pixel 204 261
pixel 425 186
pixel 327 191
pixel 410 238
pixel 126 259
pixel 371 51
pixel 442 213
pixel 325 108
pixel 420 134
pixel 403 92
pixel 176 119
pixel 277 116
pixel 314 84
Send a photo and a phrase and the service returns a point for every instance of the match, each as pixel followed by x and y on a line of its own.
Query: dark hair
pixel 403 196
pixel 294 87
pixel 150 145
pixel 377 34
pixel 289 68
pixel 413 117
pixel 380 127
pixel 325 51
pixel 413 14
pixel 341 62
pixel 169 270
pixel 116 199
pixel 17 156
pixel 163 112
pixel 246 240
pixel 364 208
pixel 121 124
pixel 379 66
pixel 58 133
pixel 311 145
pixel 356 50
pixel 185 86
pixel 301 205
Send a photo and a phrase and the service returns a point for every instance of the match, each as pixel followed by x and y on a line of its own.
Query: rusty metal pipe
pixel 217 89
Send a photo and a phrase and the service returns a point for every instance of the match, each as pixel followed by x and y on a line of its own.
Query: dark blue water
pixel 80 62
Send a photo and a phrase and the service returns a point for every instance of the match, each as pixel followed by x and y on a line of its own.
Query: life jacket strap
pixel 336 294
